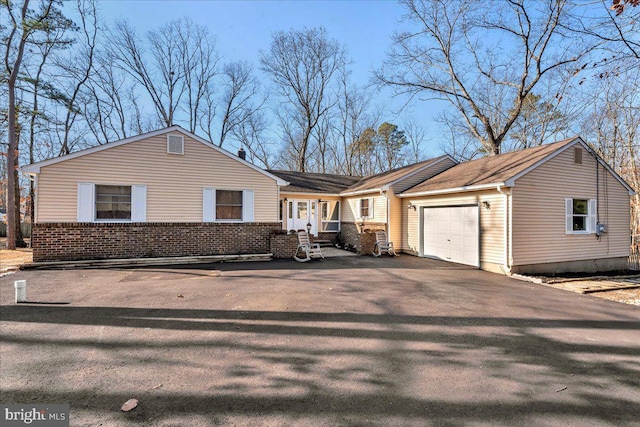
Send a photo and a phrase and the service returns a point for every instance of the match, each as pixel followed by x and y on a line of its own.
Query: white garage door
pixel 452 233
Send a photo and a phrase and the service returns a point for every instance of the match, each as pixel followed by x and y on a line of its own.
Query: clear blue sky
pixel 244 28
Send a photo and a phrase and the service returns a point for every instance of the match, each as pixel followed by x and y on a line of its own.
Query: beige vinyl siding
pixel 174 182
pixel 351 205
pixel 395 220
pixel 423 175
pixel 539 212
pixel 492 237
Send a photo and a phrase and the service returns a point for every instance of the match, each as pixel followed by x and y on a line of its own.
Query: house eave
pixel 456 190
pixel 359 192
pixel 309 194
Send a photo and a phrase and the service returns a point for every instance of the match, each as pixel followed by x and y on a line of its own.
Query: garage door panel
pixel 451 233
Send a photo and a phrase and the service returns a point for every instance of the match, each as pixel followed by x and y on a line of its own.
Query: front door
pixel 300 213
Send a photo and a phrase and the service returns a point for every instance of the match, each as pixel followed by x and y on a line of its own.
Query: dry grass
pixel 626 296
pixel 14 259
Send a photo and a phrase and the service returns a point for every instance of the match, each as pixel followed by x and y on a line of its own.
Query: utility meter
pixel 600 229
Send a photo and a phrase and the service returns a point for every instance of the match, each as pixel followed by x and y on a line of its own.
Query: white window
pixel 175 144
pixel 222 205
pixel 365 208
pixel 330 215
pixel 580 216
pixel 111 203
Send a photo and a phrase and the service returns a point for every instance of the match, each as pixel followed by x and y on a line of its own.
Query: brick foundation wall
pixel 81 241
pixel 284 245
pixel 363 242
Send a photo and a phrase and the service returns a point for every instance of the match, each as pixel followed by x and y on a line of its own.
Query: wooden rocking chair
pixel 306 249
pixel 383 245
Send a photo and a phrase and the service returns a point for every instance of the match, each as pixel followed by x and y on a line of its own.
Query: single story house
pixel 552 208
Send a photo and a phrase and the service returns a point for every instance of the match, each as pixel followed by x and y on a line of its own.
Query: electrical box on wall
pixel 601 229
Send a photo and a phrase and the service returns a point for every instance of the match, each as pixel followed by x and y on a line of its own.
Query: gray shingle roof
pixel 375 182
pixel 488 170
pixel 303 182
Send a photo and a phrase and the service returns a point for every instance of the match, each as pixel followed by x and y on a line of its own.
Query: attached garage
pixel 532 211
pixel 452 233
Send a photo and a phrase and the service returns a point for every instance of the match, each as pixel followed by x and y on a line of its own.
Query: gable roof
pixel 304 182
pixel 501 170
pixel 34 168
pixel 383 181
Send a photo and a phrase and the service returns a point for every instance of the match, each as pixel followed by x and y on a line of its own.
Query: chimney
pixel 242 154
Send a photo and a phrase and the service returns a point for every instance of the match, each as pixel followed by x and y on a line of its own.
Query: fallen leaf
pixel 180 296
pixel 129 405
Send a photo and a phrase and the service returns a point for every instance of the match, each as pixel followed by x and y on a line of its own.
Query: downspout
pixel 507 246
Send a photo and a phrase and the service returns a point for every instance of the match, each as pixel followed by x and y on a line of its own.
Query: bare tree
pixel 107 109
pixel 458 141
pixel 37 83
pixel 241 90
pixel 198 60
pixel 416 135
pixel 251 135
pixel 24 22
pixel 352 118
pixel 484 58
pixel 78 68
pixel 175 71
pixel 612 126
pixel 302 65
pixel 611 26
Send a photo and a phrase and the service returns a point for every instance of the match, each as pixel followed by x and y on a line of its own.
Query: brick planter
pixel 284 245
pixel 82 241
pixel 362 242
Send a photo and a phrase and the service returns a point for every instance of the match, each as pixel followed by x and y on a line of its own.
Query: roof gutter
pixel 455 190
pixel 370 190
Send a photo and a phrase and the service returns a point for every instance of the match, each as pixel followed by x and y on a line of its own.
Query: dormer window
pixel 175 144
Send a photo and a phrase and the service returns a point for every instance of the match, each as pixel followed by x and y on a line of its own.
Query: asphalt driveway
pixel 352 341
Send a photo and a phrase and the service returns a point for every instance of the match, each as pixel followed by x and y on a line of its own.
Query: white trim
pixel 208 204
pixel 360 192
pixel 248 209
pixel 138 203
pixel 37 197
pixel 590 217
pixel 86 202
pixel 35 167
pixel 454 190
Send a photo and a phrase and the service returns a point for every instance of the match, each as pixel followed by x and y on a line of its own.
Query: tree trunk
pixel 12 152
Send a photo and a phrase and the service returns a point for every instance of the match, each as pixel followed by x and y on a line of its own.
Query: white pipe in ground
pixel 21 290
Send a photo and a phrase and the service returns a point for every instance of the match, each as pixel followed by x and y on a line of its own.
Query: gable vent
pixel 175 144
pixel 577 155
